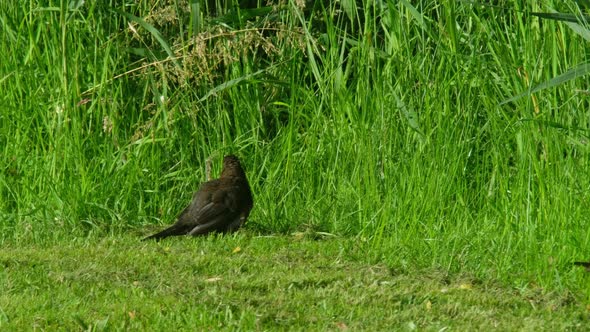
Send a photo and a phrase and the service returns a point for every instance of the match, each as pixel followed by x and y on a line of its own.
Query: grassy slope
pixel 395 141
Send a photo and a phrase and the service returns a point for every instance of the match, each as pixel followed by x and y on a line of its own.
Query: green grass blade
pixel 564 17
pixel 230 83
pixel 572 21
pixel 415 13
pixel 195 15
pixel 151 29
pixel 578 71
pixel 238 16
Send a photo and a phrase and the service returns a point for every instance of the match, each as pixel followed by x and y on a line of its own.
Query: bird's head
pixel 232 167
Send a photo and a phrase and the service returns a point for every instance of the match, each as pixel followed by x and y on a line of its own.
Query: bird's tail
pixel 170 231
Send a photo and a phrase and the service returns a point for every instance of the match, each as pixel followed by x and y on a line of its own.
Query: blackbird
pixel 220 205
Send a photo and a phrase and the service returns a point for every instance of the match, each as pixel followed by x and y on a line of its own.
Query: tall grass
pixel 379 120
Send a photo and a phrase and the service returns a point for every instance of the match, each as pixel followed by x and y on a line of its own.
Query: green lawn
pixel 249 282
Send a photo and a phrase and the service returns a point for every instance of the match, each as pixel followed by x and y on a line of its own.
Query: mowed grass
pixel 250 282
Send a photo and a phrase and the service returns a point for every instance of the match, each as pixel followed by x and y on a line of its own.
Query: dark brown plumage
pixel 220 205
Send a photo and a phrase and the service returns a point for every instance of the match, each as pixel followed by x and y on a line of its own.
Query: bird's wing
pixel 222 201
pixel 220 211
pixel 200 199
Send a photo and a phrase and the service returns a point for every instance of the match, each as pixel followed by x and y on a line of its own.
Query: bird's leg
pixel 232 227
